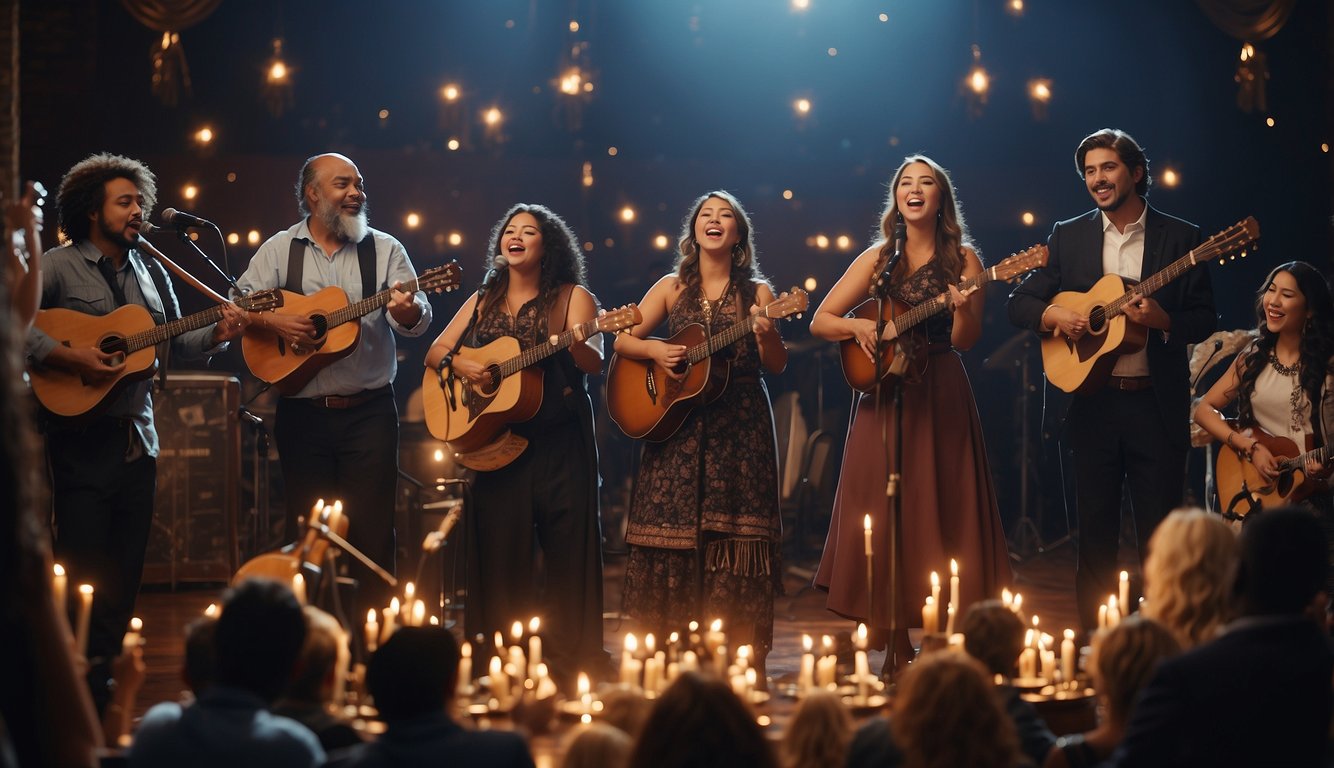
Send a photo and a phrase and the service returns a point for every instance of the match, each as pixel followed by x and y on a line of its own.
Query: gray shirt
pixel 373 363
pixel 71 279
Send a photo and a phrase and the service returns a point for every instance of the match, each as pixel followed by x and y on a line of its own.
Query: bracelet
pixel 1043 317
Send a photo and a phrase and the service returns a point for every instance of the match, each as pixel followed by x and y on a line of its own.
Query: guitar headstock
pixel 1021 263
pixel 261 301
pixel 1230 240
pixel 618 319
pixel 793 302
pixel 443 278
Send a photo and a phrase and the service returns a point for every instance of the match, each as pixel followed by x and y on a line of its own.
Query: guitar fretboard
pixel 160 333
pixel 368 305
pixel 539 352
pixel 1232 238
pixel 1319 455
pixel 928 308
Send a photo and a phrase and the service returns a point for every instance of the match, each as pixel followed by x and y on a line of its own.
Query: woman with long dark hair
pixel 704 525
pixel 948 502
pixel 1283 382
pixel 545 500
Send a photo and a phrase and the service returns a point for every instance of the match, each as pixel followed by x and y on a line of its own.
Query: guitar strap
pixel 170 308
pixel 296 263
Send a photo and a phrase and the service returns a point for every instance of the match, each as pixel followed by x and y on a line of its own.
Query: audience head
pixel 258 637
pixel 201 664
pixel 598 745
pixel 699 723
pixel 1284 560
pixel 947 713
pixel 1125 657
pixel 321 663
pixel 819 732
pixel 626 710
pixel 1188 574
pixel 994 635
pixel 413 673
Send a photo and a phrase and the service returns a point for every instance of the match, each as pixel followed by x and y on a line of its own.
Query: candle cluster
pixel 1117 606
pixel 931 608
pixel 821 672
pixel 515 673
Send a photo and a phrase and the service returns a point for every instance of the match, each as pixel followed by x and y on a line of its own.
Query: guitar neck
pixel 368 305
pixel 928 308
pixel 539 352
pixel 722 339
pixel 1318 455
pixel 1164 276
pixel 160 333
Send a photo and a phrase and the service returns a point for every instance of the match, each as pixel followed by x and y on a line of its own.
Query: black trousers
pixel 349 454
pixel 542 505
pixel 1119 441
pixel 103 508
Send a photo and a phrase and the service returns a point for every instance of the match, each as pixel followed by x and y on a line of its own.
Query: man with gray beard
pixel 338 435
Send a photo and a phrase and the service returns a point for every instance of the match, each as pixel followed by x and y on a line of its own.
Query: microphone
pixel 1194 385
pixel 183 220
pixel 497 264
pixel 900 235
pixel 435 539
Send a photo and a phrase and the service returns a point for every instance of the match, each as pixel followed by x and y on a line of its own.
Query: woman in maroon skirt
pixel 948 502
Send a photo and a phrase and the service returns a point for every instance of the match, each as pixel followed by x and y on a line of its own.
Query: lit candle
pixel 1048 664
pixel 1018 603
pixel 390 619
pixel 743 657
pixel 299 588
pixel 628 677
pixel 1125 592
pixel 1028 663
pixel 752 677
pixel 500 685
pixel 863 672
pixel 58 586
pixel 1102 617
pixel 935 600
pixel 1037 636
pixel 870 570
pixel 1068 657
pixel 534 643
pixel 465 668
pixel 85 615
pixel 418 613
pixel 652 673
pixel 372 631
pixel 516 631
pixel 211 611
pixel 955 606
pixel 949 620
pixel 866 524
pixel 1007 599
pixel 409 593
pixel 930 617
pixel 585 696
pixel 1113 611
pixel 131 640
pixel 806 677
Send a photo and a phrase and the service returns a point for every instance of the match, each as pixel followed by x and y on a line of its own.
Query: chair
pixel 811 499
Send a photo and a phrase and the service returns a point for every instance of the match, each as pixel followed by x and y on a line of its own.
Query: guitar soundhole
pixel 491 382
pixel 113 345
pixel 321 325
pixel 1097 320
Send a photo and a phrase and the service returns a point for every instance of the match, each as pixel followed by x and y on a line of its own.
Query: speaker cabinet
pixel 193 538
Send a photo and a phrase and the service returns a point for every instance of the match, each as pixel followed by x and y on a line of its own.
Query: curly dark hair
pixel 562 259
pixel 83 190
pixel 1317 344
pixel 745 266
pixel 947 713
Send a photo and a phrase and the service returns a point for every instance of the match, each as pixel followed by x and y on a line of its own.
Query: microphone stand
pixel 893 461
pixel 184 237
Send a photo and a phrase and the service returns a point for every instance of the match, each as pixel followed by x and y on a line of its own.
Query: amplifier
pixel 193 537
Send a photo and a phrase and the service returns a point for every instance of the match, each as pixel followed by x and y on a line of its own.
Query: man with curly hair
pixel 104 467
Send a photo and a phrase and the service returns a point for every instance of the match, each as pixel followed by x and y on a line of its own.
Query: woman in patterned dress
pixel 542 507
pixel 704 525
pixel 948 502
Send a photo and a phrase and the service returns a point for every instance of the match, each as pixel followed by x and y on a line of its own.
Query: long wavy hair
pixel 83 190
pixel 562 259
pixel 1125 657
pixel 745 266
pixel 819 733
pixel 947 713
pixel 1188 575
pixel 699 722
pixel 951 229
pixel 1317 343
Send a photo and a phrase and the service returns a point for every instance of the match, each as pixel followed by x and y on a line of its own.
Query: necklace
pixel 1286 370
pixel 708 305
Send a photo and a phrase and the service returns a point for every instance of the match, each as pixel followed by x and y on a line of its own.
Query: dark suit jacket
pixel 1075 264
pixel 435 740
pixel 1257 695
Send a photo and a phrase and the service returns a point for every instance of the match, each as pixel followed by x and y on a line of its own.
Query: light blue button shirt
pixel 373 363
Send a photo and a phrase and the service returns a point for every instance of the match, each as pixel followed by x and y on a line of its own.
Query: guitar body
pixel 647 403
pixel 1084 365
pixel 271 358
pixel 858 370
pixel 479 412
pixel 1239 481
pixel 69 394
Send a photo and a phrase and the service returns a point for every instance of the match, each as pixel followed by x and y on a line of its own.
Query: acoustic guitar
pixel 1241 489
pixel 1085 364
pixel 130 334
pixel 859 370
pixel 646 402
pixel 272 359
pixel 471 415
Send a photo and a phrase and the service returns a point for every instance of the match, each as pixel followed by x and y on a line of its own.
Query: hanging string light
pixel 171 73
pixel 574 81
pixel 1252 72
pixel 277 88
pixel 977 85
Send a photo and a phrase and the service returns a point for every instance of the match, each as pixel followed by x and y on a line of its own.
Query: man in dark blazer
pixel 411 679
pixel 1132 431
pixel 1259 694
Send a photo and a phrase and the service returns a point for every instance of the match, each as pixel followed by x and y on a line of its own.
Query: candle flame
pixel 867 522
pixel 1006 597
pixel 716 625
pixel 631 642
pixel 371 618
pixel 806 643
pixel 954 567
pixel 58 569
pixel 136 624
pixel 930 600
pixel 409 590
pixel 533 624
pixel 86 589
pixel 465 650
pixel 1125 576
pixel 583 683
pixel 211 610
pixel 338 506
pixel 516 630
pixel 1069 634
pixel 394 606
